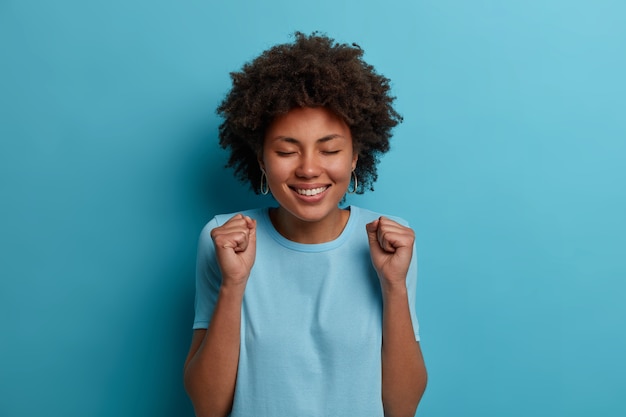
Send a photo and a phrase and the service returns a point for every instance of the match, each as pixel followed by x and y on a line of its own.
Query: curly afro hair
pixel 312 71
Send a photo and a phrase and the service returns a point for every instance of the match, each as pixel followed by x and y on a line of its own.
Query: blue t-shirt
pixel 311 326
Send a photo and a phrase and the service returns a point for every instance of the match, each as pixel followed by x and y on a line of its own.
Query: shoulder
pixel 220 219
pixel 255 213
pixel 367 216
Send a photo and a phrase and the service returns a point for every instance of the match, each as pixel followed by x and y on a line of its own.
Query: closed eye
pixel 330 152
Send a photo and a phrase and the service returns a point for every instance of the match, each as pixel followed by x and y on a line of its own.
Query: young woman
pixel 307 308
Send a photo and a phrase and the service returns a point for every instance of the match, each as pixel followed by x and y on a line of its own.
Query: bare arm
pixel 210 370
pixel 403 370
pixel 211 366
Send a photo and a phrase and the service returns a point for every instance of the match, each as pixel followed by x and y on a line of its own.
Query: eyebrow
pixel 320 140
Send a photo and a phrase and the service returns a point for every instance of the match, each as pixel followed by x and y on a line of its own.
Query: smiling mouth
pixel 310 191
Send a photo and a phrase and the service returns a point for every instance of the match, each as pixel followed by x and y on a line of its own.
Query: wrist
pixel 393 288
pixel 233 289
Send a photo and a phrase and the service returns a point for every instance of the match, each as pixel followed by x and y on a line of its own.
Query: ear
pixel 259 159
pixel 355 158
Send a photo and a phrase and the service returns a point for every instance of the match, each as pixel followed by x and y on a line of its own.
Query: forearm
pixel 211 373
pixel 403 371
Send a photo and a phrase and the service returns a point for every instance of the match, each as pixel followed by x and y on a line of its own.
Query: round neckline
pixel 311 247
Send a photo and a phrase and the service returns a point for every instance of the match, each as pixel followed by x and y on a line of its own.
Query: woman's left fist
pixel 391 249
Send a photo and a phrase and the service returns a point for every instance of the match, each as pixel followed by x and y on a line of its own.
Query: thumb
pixel 251 223
pixel 372 232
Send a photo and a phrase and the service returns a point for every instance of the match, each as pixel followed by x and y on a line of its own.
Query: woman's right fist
pixel 235 247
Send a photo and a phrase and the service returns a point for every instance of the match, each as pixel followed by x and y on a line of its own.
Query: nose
pixel 309 166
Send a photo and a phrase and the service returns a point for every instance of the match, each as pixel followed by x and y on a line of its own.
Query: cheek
pixel 342 171
pixel 276 171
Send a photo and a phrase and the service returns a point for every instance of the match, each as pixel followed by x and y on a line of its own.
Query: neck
pixel 309 232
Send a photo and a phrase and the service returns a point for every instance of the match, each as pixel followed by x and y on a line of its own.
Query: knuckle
pixel 215 233
pixel 218 240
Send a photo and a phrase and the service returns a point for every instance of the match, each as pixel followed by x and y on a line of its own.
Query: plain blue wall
pixel 510 165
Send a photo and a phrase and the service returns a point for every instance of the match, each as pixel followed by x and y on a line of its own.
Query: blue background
pixel 510 165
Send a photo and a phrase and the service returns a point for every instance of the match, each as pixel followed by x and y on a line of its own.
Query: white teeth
pixel 311 191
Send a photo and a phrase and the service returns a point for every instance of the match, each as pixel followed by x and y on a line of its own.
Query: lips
pixel 311 191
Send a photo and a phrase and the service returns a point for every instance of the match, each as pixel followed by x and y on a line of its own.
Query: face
pixel 308 158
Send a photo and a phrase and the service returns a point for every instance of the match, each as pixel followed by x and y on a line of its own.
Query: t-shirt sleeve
pixel 411 284
pixel 208 278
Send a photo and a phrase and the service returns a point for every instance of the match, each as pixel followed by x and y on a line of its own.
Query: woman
pixel 306 309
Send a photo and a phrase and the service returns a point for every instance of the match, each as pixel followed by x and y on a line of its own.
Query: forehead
pixel 308 123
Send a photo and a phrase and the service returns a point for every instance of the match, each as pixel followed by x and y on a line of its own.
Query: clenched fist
pixel 235 247
pixel 391 249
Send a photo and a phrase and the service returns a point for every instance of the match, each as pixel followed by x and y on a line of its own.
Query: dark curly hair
pixel 312 71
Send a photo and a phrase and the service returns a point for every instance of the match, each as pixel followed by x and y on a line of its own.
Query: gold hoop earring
pixel 265 188
pixel 356 184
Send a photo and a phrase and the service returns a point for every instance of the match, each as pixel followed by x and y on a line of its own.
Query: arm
pixel 210 371
pixel 403 370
